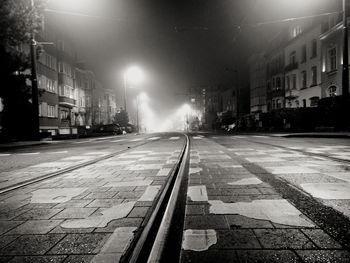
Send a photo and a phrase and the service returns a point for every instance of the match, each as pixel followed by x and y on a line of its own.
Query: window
pixel 304 103
pixel 314 101
pixel 40 109
pixel 65 68
pixel 278 104
pixel 303 80
pixel 314 76
pixel 278 83
pixel 64 115
pixel 332 91
pixel 60 45
pixel 314 48
pixel 296 31
pixel 292 58
pixel 332 59
pixel 287 83
pixel 297 104
pixel 51 111
pixel 50 85
pixel 303 54
pixel 294 81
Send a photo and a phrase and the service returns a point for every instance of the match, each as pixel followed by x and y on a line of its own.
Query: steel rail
pixel 151 242
pixel 163 236
pixel 68 169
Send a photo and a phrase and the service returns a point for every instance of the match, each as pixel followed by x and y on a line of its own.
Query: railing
pixel 291 66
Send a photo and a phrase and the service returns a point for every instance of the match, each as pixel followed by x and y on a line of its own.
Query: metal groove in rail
pixel 68 169
pixel 153 240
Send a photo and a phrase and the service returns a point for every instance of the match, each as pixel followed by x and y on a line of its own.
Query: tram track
pixel 68 169
pixel 155 236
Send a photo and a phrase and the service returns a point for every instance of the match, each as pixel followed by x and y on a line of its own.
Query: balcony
pixel 292 94
pixel 291 66
pixel 64 101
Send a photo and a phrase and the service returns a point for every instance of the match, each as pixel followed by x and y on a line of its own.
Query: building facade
pixel 69 94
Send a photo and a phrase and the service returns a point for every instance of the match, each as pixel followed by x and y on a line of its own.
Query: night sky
pixel 179 44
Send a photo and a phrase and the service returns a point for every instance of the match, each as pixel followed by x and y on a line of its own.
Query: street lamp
pixel 132 75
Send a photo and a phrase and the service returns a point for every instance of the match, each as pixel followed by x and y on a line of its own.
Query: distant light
pixel 134 75
pixel 193 100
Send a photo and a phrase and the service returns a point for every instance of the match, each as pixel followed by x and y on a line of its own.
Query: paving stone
pixel 73 203
pixel 324 256
pixel 195 210
pixel 31 244
pixel 101 195
pixel 79 259
pixel 238 221
pixel 5 226
pixel 10 214
pixel 270 256
pixel 62 230
pixel 38 259
pixel 206 222
pixel 123 222
pixel 80 244
pixel 283 238
pixel 7 239
pixel 129 195
pixel 104 203
pixel 138 212
pixel 237 239
pixel 39 213
pixel 35 227
pixel 209 256
pixel 232 191
pixel 5 259
pixel 321 239
pixel 77 212
pixel 143 203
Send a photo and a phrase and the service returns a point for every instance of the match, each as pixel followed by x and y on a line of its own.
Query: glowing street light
pixel 133 75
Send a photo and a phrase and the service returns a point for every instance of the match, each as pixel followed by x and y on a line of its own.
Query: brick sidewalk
pixel 234 216
pixel 88 215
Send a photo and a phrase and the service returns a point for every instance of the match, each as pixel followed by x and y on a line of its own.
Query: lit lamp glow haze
pixel 132 77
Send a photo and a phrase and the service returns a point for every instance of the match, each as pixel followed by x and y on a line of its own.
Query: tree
pixel 19 19
pixel 121 118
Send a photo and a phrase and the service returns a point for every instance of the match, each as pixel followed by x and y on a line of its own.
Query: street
pixel 249 198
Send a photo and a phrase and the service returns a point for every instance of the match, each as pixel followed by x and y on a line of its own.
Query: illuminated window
pixel 332 58
pixel 292 57
pixel 313 48
pixel 287 83
pixel 303 80
pixel 314 76
pixel 303 53
pixel 294 81
pixel 332 91
pixel 314 101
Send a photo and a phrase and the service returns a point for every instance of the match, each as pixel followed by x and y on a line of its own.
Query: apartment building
pixel 302 65
pixel 69 94
pixel 332 55
pixel 257 75
pixel 303 69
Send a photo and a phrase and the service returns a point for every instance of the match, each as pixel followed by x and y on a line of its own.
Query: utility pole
pixel 345 90
pixel 34 80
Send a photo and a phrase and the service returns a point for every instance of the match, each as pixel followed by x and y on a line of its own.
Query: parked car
pixel 110 128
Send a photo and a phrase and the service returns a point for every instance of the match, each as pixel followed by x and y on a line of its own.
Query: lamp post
pixel 34 80
pixel 345 90
pixel 132 75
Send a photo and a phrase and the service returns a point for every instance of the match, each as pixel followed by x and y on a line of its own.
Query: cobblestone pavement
pixel 237 212
pixel 92 214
